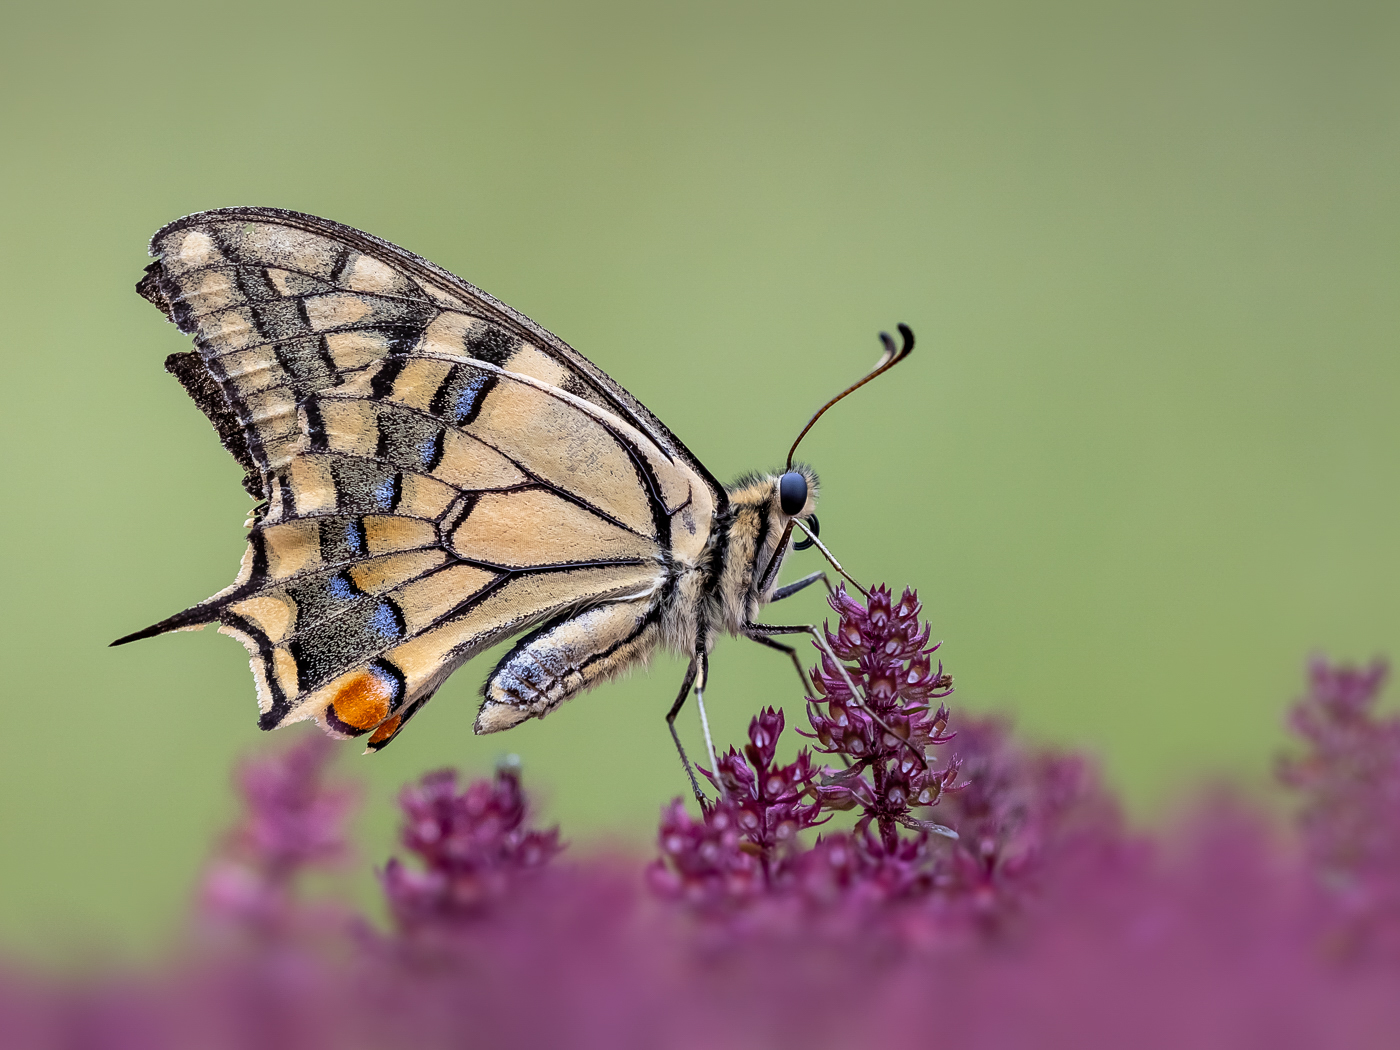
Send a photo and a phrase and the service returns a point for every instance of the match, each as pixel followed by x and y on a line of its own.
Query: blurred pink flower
pixel 1043 923
pixel 472 846
pixel 1349 778
pixel 294 819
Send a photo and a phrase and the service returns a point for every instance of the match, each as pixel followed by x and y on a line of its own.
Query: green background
pixel 1141 465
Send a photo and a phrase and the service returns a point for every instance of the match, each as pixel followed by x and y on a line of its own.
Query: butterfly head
pixel 778 496
pixel 797 498
pixel 794 493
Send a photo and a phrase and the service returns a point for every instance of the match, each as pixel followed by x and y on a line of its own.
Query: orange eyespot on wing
pixel 366 699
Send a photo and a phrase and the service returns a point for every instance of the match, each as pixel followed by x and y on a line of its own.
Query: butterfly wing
pixel 435 472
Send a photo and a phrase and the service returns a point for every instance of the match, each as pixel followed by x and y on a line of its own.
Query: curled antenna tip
pixel 891 354
pixel 888 359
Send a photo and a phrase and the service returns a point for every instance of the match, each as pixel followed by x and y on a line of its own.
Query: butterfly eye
pixel 802 545
pixel 792 492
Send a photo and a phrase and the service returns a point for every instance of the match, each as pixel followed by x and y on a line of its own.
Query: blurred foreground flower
pixel 817 905
pixel 294 820
pixel 1350 821
pixel 473 847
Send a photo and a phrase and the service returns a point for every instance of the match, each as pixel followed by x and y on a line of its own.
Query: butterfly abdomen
pixel 566 657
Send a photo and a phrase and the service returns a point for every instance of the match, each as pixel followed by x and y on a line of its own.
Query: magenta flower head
pixel 879 717
pixel 770 803
pixel 742 849
pixel 745 854
pixel 473 846
pixel 1043 923
pixel 1349 779
pixel 294 818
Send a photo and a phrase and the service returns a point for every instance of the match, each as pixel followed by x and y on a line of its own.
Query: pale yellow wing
pixel 435 472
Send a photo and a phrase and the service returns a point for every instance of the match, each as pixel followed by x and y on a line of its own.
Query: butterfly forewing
pixel 435 471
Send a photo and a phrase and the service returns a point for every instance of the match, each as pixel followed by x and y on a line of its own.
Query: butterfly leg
pixel 787 592
pixel 690 674
pixel 760 632
pixel 797 585
pixel 769 629
pixel 704 718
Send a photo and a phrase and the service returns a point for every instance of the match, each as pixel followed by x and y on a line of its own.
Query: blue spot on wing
pixel 355 537
pixel 341 587
pixel 469 396
pixel 383 494
pixel 385 620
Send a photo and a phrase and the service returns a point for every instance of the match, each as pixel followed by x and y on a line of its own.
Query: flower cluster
pixel 873 711
pixel 770 803
pixel 1043 923
pixel 1349 779
pixel 878 693
pixel 294 818
pixel 742 850
pixel 473 846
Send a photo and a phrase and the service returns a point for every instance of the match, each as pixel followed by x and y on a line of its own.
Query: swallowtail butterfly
pixel 434 472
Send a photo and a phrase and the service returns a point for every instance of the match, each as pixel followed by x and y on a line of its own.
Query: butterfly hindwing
pixel 435 472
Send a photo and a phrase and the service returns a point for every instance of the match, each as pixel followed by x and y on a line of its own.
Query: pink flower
pixel 1042 923
pixel 472 846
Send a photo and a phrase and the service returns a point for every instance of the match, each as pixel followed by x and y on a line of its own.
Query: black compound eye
pixel 792 492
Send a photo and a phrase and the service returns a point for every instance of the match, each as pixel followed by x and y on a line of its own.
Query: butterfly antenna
pixel 888 360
